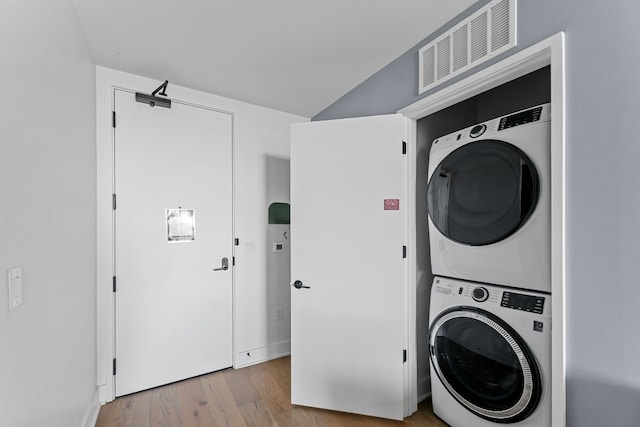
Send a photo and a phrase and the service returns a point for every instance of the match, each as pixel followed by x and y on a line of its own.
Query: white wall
pixel 47 215
pixel 262 177
pixel 261 153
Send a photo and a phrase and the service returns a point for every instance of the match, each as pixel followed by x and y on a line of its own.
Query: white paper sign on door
pixel 181 225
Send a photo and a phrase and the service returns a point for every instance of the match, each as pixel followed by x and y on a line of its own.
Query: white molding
pixel 558 230
pixel 411 369
pixel 104 261
pixel 262 354
pixel 91 413
pixel 550 51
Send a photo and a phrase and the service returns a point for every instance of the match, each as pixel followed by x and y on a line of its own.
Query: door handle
pixel 298 284
pixel 225 265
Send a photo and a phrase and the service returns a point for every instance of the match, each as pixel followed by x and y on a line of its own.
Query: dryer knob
pixel 477 130
pixel 480 294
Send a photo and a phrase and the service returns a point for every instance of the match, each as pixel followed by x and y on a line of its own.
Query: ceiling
pixel 297 56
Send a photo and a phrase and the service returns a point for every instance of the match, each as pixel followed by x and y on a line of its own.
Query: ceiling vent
pixel 488 32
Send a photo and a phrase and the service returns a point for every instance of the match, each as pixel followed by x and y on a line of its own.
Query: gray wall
pixel 603 199
pixel 47 215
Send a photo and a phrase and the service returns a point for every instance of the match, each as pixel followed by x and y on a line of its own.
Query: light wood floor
pixel 255 396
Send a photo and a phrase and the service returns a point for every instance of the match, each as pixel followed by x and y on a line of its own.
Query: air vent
pixel 460 52
pixel 444 57
pixel 429 65
pixel 483 35
pixel 479 36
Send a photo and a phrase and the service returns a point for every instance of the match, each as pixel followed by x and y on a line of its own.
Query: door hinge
pixel 404 356
pixel 113 201
pixel 404 146
pixel 114 283
pixel 404 252
pixel 114 366
pixel 233 261
pixel 113 119
pixel 237 241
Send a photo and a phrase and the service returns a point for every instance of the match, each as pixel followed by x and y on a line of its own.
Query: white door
pixel 173 222
pixel 348 205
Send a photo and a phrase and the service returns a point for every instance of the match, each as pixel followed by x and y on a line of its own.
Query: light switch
pixel 15 287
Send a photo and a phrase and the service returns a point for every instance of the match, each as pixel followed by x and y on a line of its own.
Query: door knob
pixel 225 265
pixel 298 284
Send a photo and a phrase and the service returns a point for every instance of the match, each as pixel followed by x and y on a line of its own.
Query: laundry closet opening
pixel 524 92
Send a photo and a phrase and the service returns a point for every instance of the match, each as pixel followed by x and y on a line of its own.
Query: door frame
pixel 107 81
pixel 550 51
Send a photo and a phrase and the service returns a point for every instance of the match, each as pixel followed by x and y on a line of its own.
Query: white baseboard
pixel 91 413
pixel 262 354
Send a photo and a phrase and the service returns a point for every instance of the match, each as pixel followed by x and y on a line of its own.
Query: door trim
pixel 107 81
pixel 550 51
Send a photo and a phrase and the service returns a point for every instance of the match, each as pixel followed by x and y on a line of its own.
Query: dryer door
pixel 484 364
pixel 483 192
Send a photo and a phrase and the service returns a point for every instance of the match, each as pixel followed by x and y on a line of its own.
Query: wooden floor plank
pixel 192 399
pixel 134 410
pixel 110 414
pixel 164 410
pixel 241 387
pixel 281 370
pixel 274 397
pixel 298 416
pixel 255 414
pixel 222 405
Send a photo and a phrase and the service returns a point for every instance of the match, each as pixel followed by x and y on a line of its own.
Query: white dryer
pixel 489 201
pixel 490 352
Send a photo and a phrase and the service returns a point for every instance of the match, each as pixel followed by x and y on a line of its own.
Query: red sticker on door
pixel 391 204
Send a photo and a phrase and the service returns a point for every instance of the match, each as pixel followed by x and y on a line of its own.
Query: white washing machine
pixel 489 201
pixel 490 352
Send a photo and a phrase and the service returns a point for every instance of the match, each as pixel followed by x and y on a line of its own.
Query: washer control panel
pixel 516 301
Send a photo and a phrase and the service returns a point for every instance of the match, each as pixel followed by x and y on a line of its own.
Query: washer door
pixel 483 192
pixel 484 364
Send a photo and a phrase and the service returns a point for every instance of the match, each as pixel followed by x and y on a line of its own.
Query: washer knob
pixel 478 130
pixel 480 294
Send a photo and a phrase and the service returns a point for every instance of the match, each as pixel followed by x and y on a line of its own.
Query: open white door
pixel 173 221
pixel 348 210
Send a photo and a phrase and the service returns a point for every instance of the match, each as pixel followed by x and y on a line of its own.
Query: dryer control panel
pixel 520 118
pixel 516 301
pixel 465 292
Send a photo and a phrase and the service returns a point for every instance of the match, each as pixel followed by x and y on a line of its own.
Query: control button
pixel 538 326
pixel 478 130
pixel 480 294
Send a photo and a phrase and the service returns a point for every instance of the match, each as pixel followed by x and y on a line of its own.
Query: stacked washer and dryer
pixel 490 311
